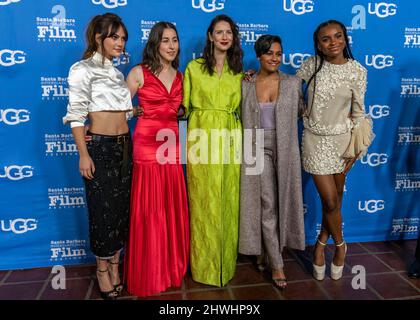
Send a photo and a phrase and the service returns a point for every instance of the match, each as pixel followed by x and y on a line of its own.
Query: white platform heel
pixel 337 271
pixel 319 271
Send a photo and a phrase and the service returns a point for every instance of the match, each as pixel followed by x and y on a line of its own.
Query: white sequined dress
pixel 335 125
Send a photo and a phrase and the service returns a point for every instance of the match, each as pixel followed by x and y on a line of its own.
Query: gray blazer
pixel 290 201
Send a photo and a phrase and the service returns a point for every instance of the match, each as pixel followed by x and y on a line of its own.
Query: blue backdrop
pixel 43 217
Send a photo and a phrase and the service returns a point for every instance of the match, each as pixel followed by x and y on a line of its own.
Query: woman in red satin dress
pixel 157 251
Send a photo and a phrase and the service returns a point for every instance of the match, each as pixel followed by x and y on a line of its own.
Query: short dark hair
pixel 263 44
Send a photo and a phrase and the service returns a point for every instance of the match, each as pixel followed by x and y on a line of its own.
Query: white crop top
pixel 94 86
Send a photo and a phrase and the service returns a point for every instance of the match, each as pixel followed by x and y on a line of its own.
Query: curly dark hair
pixel 151 50
pixel 106 25
pixel 234 54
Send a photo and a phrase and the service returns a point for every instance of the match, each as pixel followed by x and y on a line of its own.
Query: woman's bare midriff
pixel 108 122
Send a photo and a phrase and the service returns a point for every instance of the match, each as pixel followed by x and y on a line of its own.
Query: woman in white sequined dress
pixel 336 131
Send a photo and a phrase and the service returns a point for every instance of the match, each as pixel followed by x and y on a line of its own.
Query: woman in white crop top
pixel 97 92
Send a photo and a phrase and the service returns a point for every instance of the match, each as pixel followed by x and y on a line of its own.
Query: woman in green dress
pixel 211 97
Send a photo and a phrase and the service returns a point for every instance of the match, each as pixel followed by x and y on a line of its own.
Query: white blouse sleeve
pixel 79 95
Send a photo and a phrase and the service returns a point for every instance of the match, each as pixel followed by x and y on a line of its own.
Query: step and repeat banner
pixel 43 218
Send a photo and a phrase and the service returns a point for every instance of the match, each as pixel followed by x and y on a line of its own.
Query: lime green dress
pixel 214 141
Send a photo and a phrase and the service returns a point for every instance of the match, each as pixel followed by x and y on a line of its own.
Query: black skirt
pixel 108 193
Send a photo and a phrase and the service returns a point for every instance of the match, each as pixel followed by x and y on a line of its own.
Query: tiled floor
pixel 385 264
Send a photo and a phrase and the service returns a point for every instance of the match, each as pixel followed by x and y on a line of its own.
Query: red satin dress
pixel 157 251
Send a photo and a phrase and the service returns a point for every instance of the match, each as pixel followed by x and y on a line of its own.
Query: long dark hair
pixel 234 54
pixel 151 50
pixel 318 53
pixel 106 25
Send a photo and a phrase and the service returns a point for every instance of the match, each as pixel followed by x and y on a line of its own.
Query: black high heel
pixel 119 286
pixel 107 295
pixel 280 283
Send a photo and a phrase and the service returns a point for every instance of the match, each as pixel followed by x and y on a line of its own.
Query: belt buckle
pixel 120 139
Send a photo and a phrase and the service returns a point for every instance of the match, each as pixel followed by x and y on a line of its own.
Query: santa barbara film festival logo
pixel 404 226
pixel 123 59
pixel 407 181
pixel 250 32
pixel 412 37
pixel 66 198
pixel 57 28
pixel 350 30
pixel 60 145
pixel 62 250
pixel 54 88
pixel 408 135
pixel 410 88
pixel 146 26
pixel 208 5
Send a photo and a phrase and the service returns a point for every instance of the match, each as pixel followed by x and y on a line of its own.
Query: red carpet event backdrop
pixel 43 218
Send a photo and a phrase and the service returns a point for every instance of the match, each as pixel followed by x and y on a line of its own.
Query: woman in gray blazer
pixel 271 215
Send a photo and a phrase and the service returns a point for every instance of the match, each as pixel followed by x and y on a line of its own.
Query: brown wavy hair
pixel 234 54
pixel 106 25
pixel 151 50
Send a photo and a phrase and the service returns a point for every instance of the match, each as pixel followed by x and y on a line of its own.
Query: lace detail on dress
pixel 329 79
pixel 329 130
pixel 324 159
pixel 334 128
